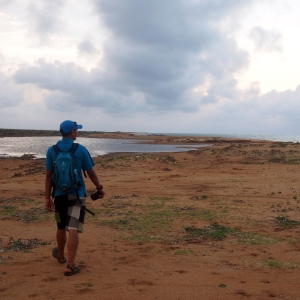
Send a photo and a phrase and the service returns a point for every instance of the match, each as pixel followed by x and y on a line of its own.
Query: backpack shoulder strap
pixel 56 149
pixel 73 148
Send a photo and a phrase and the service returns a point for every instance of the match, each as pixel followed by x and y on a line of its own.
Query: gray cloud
pixel 266 40
pixel 286 103
pixel 10 94
pixel 163 51
pixel 156 54
pixel 4 3
pixel 2 60
pixel 71 86
pixel 86 47
pixel 43 16
pixel 66 78
pixel 179 24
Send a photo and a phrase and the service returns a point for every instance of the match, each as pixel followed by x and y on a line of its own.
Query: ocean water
pixel 38 146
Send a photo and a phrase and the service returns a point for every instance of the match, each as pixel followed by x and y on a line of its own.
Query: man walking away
pixel 69 201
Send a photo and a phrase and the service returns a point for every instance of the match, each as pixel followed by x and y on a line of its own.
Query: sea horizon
pixel 269 137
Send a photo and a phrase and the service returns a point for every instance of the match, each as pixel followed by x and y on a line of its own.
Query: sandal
pixel 74 270
pixel 61 260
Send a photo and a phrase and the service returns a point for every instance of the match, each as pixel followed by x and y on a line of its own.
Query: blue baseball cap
pixel 67 126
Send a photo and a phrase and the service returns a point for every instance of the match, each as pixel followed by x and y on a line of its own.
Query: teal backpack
pixel 65 174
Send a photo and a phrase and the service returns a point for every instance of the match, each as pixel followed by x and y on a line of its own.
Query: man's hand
pixel 100 194
pixel 49 204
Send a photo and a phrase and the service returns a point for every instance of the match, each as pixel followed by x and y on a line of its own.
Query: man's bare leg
pixel 61 239
pixel 72 245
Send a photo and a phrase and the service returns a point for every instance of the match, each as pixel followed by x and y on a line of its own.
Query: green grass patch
pixel 160 198
pixel 256 239
pixel 25 245
pixel 218 232
pixel 150 222
pixel 214 231
pixel 184 252
pixel 34 214
pixel 7 210
pixel 153 225
pixel 286 222
pixel 200 214
pixel 156 220
pixel 280 265
pixel 273 264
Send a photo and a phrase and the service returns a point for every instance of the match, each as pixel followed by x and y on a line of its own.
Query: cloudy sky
pixel 193 66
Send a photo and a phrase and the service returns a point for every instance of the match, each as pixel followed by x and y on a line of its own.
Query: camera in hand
pixel 96 195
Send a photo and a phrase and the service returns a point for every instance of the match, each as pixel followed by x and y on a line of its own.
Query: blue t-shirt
pixel 83 160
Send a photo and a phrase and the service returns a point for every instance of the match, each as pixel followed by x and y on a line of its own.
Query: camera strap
pixel 84 207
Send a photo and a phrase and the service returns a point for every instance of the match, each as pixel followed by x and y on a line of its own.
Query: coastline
pixel 148 136
pixel 220 221
pixel 111 142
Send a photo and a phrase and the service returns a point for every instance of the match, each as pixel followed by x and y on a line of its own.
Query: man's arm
pixel 94 178
pixel 48 185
